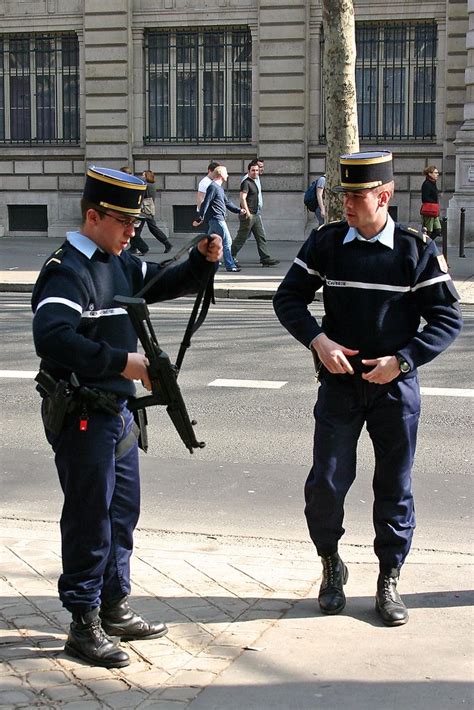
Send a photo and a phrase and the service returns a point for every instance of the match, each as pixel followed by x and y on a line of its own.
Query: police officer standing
pixel 87 344
pixel 379 280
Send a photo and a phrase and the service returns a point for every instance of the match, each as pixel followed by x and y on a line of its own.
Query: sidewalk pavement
pixel 244 629
pixel 21 259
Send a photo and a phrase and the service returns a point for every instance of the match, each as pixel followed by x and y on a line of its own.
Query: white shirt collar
pixel 385 237
pixel 82 243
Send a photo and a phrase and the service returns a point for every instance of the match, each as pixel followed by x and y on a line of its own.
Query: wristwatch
pixel 403 364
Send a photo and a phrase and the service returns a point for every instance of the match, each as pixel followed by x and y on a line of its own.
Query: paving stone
pixel 30 621
pixel 157 704
pixel 5 668
pixel 19 650
pixel 191 677
pixel 181 693
pixel 229 652
pixel 11 682
pixel 105 686
pixel 151 679
pixel 84 673
pixel 26 665
pixel 38 681
pixel 84 705
pixel 129 699
pixel 16 697
pixel 64 693
pixel 213 665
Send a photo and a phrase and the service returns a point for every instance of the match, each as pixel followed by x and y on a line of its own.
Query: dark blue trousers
pixel 391 413
pixel 100 511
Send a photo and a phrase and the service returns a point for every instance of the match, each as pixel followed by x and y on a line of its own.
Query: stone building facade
pixel 168 85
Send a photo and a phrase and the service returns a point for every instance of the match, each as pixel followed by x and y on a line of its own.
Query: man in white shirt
pixel 204 183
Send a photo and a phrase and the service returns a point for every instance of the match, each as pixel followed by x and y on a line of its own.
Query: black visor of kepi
pixel 364 171
pixel 113 190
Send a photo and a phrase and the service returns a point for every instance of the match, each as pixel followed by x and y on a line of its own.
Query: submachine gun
pixel 163 374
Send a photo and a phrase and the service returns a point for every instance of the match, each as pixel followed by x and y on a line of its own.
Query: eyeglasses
pixel 126 223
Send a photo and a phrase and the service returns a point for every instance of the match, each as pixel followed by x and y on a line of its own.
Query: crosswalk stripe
pixel 19 374
pixel 263 384
pixel 257 384
pixel 446 392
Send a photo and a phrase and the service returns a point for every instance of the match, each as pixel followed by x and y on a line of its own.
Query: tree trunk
pixel 342 133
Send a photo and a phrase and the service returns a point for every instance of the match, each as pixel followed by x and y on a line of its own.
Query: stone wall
pixel 286 102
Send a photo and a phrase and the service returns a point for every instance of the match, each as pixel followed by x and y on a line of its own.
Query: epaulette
pixel 414 232
pixel 56 257
pixel 334 223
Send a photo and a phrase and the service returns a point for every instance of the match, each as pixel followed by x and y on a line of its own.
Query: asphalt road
pixel 248 481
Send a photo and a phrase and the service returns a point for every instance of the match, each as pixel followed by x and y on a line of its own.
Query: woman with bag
pixel 430 202
pixel 148 214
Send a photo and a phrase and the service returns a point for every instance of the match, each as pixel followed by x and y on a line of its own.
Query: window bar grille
pixel 208 78
pixel 39 89
pixel 396 81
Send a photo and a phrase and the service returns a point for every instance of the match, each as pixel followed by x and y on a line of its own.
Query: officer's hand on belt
pixel 333 355
pixel 136 369
pixel 385 370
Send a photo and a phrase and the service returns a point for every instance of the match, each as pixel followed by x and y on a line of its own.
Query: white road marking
pixel 19 374
pixel 257 384
pixel 446 392
pixel 262 384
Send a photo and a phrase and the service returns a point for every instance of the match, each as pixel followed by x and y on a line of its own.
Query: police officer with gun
pixel 89 359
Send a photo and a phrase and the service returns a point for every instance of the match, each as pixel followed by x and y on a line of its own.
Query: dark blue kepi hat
pixel 114 190
pixel 363 171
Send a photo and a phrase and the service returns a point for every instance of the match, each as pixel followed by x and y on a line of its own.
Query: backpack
pixel 310 198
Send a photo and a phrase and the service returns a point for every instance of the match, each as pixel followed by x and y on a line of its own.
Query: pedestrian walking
pixel 430 202
pixel 88 351
pixel 148 212
pixel 213 211
pixel 250 221
pixel 379 280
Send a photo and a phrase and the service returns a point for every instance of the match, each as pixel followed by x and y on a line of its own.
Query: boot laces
pixel 389 588
pixel 330 564
pixel 98 632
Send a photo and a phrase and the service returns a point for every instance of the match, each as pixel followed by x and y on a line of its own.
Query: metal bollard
pixel 462 226
pixel 444 237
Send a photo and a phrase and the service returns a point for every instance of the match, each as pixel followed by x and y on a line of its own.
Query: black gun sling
pixel 204 298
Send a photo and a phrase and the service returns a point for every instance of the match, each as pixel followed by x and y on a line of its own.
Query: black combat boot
pixel 331 594
pixel 118 619
pixel 388 602
pixel 88 641
pixel 168 246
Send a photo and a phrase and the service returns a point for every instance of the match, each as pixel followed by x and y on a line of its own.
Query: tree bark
pixel 339 86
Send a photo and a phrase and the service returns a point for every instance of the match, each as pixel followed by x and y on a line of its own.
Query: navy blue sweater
pixel 216 203
pixel 374 296
pixel 78 328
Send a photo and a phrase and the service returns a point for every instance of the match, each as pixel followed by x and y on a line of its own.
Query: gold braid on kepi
pixel 114 190
pixel 364 171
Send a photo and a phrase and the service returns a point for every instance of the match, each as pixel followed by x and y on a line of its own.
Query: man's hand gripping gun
pixel 163 374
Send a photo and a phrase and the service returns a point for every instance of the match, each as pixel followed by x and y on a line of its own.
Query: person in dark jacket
pixel 213 212
pixel 379 280
pixel 138 246
pixel 429 193
pixel 84 338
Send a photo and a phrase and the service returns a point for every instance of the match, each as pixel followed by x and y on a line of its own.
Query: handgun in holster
pixel 58 400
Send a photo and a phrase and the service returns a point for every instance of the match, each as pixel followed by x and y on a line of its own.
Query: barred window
pixel 396 80
pixel 39 89
pixel 198 85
